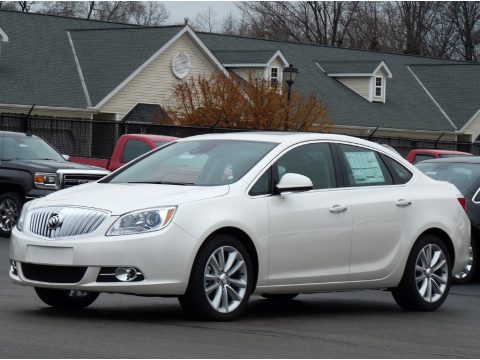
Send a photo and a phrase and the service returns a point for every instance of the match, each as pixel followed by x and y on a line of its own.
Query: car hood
pixel 53 166
pixel 122 198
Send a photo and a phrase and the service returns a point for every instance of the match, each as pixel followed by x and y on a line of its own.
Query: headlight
pixel 23 214
pixel 142 221
pixel 45 180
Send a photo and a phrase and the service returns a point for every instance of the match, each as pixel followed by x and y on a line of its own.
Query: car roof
pixel 281 137
pixel 440 151
pixel 16 134
pixel 456 159
pixel 154 136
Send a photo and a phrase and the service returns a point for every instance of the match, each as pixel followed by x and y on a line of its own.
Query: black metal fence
pixel 84 137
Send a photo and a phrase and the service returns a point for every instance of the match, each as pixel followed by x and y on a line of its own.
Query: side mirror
pixel 66 157
pixel 291 182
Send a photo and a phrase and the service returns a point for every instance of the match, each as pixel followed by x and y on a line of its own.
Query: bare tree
pixel 25 5
pixel 206 21
pixel 318 22
pixel 466 17
pixel 8 5
pixel 147 13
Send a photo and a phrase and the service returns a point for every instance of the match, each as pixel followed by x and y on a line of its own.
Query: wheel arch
pixel 441 234
pixel 8 187
pixel 245 239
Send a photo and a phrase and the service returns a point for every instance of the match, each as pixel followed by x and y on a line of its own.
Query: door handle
pixel 336 209
pixel 403 203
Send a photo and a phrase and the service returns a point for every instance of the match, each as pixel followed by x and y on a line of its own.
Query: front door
pixel 310 231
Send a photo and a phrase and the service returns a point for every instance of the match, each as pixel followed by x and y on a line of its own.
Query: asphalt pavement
pixel 362 324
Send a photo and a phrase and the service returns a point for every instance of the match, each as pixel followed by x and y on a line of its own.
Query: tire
pixel 468 272
pixel 10 208
pixel 66 299
pixel 279 297
pixel 430 291
pixel 213 293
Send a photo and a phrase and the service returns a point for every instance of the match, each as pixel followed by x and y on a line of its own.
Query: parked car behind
pixel 213 218
pixel 417 155
pixel 31 168
pixel 464 173
pixel 127 148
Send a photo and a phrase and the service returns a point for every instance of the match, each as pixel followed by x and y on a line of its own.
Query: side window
pixel 421 157
pixel 313 161
pixel 133 149
pixel 364 167
pixel 263 185
pixel 400 173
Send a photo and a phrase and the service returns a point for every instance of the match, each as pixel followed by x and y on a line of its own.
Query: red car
pixel 128 147
pixel 417 155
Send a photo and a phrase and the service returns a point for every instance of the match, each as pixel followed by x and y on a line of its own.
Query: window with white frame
pixel 378 86
pixel 274 75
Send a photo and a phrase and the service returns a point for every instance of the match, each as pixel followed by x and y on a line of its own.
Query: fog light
pixel 126 274
pixel 13 268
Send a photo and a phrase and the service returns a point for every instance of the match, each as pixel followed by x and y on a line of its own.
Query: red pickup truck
pixel 417 155
pixel 128 147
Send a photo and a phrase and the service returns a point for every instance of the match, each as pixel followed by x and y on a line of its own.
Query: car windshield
pixel 28 148
pixel 200 162
pixel 462 175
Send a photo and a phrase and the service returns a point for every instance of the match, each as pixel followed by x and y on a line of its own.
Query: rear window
pixel 462 175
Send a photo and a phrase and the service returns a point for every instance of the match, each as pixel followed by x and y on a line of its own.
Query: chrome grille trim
pixel 77 221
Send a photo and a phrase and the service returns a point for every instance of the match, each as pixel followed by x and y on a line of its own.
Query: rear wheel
pixel 469 270
pixel 427 276
pixel 70 299
pixel 280 297
pixel 221 280
pixel 10 207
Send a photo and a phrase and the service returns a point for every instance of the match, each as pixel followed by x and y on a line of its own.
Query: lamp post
pixel 289 74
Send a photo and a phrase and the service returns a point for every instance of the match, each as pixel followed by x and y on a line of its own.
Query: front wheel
pixel 69 299
pixel 10 207
pixel 221 280
pixel 469 270
pixel 427 276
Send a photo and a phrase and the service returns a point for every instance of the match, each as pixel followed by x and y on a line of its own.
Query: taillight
pixel 463 203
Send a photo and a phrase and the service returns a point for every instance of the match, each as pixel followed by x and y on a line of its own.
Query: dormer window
pixel 366 78
pixel 274 76
pixel 378 86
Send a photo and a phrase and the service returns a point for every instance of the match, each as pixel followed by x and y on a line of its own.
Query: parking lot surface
pixel 364 324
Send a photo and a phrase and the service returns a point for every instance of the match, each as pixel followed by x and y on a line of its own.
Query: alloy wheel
pixel 225 279
pixel 431 273
pixel 468 267
pixel 8 214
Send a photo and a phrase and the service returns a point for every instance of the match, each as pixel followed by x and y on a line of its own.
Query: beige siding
pixel 358 84
pixel 246 73
pixel 154 84
pixel 48 112
pixel 474 127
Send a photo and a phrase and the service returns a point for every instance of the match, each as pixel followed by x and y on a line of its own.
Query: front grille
pixel 53 274
pixel 69 222
pixel 78 179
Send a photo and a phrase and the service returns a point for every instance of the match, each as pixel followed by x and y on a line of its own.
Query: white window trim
pixel 279 74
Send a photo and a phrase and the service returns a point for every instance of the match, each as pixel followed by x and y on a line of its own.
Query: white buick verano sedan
pixel 214 218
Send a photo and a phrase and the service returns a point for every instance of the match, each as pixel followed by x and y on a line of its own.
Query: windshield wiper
pixel 162 182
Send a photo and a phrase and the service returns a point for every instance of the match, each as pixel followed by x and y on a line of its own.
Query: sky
pixel 182 9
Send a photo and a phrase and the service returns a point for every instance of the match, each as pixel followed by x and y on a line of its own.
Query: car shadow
pixel 257 309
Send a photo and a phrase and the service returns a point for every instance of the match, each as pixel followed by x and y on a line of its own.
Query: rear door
pixel 381 208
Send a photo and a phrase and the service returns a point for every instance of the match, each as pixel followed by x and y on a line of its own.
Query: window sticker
pixel 365 167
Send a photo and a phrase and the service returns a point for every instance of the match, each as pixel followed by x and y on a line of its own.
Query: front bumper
pixel 164 257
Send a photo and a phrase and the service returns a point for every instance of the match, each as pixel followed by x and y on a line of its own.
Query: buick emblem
pixel 55 221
